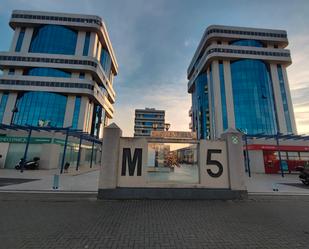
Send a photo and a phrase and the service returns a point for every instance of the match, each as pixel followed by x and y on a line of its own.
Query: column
pixel 69 111
pixel 80 43
pixel 110 156
pixel 289 100
pixel 211 111
pixel 235 159
pixel 229 94
pixel 278 98
pixel 92 44
pixel 15 38
pixel 27 40
pixel 217 99
pixel 83 113
pixel 7 117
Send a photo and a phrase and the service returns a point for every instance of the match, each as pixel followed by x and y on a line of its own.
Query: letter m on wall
pixel 127 159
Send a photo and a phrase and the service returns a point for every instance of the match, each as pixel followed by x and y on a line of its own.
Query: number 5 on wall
pixel 210 161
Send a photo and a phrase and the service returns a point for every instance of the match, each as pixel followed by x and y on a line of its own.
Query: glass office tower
pixel 58 72
pixel 237 79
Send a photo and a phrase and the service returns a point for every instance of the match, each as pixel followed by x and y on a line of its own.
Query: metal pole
pixel 64 150
pixel 26 151
pixel 279 153
pixel 91 154
pixel 247 157
pixel 79 148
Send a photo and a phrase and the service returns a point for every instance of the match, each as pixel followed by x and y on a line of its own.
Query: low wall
pixel 133 168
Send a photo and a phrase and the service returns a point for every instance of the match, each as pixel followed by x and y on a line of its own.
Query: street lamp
pixel 154 126
pixel 167 126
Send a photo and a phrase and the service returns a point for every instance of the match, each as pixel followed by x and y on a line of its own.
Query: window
pixel 253 97
pixel 105 61
pixel 53 39
pixel 11 71
pixel 284 100
pixel 20 40
pixel 250 43
pixel 40 106
pixel 47 72
pixel 3 101
pixel 86 44
pixel 76 112
pixel 82 75
pixel 199 105
pixel 223 97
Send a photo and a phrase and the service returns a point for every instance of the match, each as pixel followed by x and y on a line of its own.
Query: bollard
pixel 56 182
pixel 275 187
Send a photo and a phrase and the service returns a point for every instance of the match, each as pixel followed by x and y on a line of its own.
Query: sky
pixel 154 42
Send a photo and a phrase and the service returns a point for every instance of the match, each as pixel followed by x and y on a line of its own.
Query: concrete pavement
pixel 276 222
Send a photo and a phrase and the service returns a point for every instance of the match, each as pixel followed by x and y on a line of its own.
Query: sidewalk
pixel 265 183
pixel 88 179
pixel 42 180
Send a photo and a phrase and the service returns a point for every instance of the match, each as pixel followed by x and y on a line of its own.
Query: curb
pixel 47 196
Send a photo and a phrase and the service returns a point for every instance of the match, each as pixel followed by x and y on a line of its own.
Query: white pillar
pixel 27 40
pixel 235 159
pixel 217 98
pixel 15 38
pixel 211 111
pixel 278 98
pixel 69 111
pixel 110 157
pixel 7 117
pixel 92 44
pixel 289 99
pixel 80 43
pixel 229 94
pixel 84 102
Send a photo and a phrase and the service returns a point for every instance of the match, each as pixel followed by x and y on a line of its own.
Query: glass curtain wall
pixel 253 97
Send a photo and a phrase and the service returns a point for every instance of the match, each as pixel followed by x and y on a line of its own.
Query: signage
pixel 33 140
pixel 132 164
pixel 274 147
pixel 173 134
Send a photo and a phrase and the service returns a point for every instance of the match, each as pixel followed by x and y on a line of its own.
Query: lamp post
pixel 155 126
pixel 167 126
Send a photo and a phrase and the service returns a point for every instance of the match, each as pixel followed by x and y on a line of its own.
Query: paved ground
pixel 83 180
pixel 86 180
pixel 262 222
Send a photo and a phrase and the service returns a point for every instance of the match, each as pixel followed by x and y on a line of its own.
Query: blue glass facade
pixel 223 97
pixel 76 112
pixel 253 97
pixel 53 39
pixel 97 118
pixel 3 101
pixel 212 99
pixel 35 106
pixel 106 62
pixel 250 43
pixel 86 44
pixel 47 72
pixel 200 107
pixel 284 100
pixel 20 40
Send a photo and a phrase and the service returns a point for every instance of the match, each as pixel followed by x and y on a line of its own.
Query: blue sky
pixel 154 42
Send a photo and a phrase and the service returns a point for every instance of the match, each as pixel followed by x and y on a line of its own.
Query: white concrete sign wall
pixel 213 164
pixel 125 163
pixel 132 162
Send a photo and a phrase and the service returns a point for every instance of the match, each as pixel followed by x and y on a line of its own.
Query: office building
pixel 58 72
pixel 238 79
pixel 147 120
